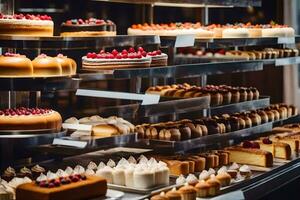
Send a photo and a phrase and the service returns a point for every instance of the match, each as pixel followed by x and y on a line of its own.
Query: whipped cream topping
pixel 101 165
pixel 42 177
pixel 51 176
pixel 69 171
pixel 234 166
pixel 92 166
pixel 132 160
pixel 245 168
pixel 222 170
pixel 61 173
pixel 204 175
pixel 90 172
pixel 79 170
pixel 111 163
pixel 191 178
pixel 180 180
pixel 211 171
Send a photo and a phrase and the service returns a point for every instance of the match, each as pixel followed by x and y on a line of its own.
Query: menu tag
pixel 82 127
pixel 146 99
pixel 185 41
pixel 70 143
pixel 286 40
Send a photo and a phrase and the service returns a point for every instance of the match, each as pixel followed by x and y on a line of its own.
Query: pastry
pixel 278 149
pixel 66 65
pixel 15 65
pixel 160 196
pixel 9 174
pixel 245 171
pixel 188 192
pixel 202 189
pixel 214 186
pixel 173 194
pixel 44 65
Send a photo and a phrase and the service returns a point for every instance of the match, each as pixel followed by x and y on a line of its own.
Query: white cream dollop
pixel 111 163
pixel 89 172
pixel 79 170
pixel 101 165
pixel 191 178
pixel 245 168
pixel 211 171
pixel 132 160
pixel 234 166
pixel 180 180
pixel 50 175
pixel 61 173
pixel 69 171
pixel 222 170
pixel 204 175
pixel 92 166
pixel 42 177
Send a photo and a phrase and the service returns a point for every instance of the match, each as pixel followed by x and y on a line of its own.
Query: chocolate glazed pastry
pixel 212 126
pixel 249 94
pixel 255 93
pixel 185 132
pixel 243 94
pixel 271 115
pixel 247 120
pixel 235 95
pixel 226 96
pixel 264 116
pixel 196 130
pixel 234 123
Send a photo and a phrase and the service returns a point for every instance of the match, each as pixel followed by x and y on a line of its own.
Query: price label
pixel 70 143
pixel 185 41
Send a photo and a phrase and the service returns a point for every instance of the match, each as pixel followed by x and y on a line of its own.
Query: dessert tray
pixel 138 191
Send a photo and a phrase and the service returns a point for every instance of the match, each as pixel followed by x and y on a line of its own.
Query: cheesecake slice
pixel 250 156
pixel 278 149
pixel 294 142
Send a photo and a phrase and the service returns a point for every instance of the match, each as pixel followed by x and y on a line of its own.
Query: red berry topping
pixel 115 52
pixel 75 179
pixel 83 177
pixel 131 50
pixel 124 52
pixel 144 53
pixel 255 145
pixel 119 56
pixel 102 51
pixel 247 144
pixel 267 141
pixel 51 185
pixel 124 55
pixel 57 183
pixel 140 49
pixel 43 184
pixel 158 52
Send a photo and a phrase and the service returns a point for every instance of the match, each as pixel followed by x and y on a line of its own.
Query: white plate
pixel 114 194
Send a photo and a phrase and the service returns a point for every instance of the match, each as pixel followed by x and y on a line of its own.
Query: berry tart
pixel 26 24
pixel 125 59
pixel 30 119
pixel 62 186
pixel 88 28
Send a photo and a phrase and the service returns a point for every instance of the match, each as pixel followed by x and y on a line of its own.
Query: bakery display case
pixel 138 118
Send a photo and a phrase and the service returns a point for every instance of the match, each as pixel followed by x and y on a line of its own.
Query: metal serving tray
pixel 209 142
pixel 39 84
pixel 72 43
pixel 262 102
pixel 215 43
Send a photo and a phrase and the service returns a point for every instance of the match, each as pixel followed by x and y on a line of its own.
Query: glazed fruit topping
pixel 26 16
pixel 24 111
pixel 131 53
pixel 8 54
pixel 61 181
pixel 90 21
pixel 267 141
pixel 253 145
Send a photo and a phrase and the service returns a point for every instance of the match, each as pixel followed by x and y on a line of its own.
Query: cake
pixel 116 60
pixel 104 127
pixel 278 149
pixel 44 65
pixel 30 119
pixel 88 28
pixel 26 24
pixel 57 188
pixel 251 156
pixel 66 65
pixel 172 29
pixel 15 65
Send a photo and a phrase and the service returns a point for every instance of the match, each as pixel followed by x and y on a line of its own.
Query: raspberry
pixel 114 52
pixel 247 144
pixel 131 50
pixel 140 49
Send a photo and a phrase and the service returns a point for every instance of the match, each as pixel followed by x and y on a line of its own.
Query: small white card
pixel 82 127
pixel 70 143
pixel 185 41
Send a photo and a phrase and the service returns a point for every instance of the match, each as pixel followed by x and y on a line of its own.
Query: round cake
pixel 30 119
pixel 44 65
pixel 29 25
pixel 117 60
pixel 15 65
pixel 87 28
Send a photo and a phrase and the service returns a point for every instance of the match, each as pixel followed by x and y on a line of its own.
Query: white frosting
pixel 95 118
pixel 245 168
pixel 79 170
pixel 204 175
pixel 211 171
pixel 106 173
pixel 61 173
pixel 191 178
pixel 132 160
pixel 234 166
pixel 111 163
pixel 69 171
pixel 129 177
pixel 92 166
pixel 222 170
pixel 143 159
pixel 101 165
pixel 15 182
pixel 50 175
pixel 41 178
pixel 119 177
pixel 123 163
pixel 180 180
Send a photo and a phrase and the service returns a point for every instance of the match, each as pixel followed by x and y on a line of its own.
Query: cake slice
pixel 250 156
pixel 91 187
pixel 278 149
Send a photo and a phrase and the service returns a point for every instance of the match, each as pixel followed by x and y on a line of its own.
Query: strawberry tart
pixel 125 59
pixel 29 25
pixel 29 119
pixel 88 28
